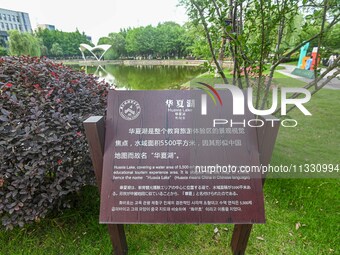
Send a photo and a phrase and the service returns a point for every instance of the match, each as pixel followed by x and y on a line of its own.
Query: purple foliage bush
pixel 43 149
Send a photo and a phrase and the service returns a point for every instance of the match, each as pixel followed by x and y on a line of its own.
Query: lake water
pixel 145 77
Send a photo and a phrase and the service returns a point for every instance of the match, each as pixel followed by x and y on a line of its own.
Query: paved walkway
pixel 333 84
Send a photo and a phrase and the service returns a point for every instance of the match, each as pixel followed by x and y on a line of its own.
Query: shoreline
pixel 153 62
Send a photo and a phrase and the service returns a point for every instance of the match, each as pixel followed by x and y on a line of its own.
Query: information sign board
pixel 177 157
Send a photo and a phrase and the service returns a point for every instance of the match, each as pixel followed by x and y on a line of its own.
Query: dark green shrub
pixel 3 51
pixel 43 150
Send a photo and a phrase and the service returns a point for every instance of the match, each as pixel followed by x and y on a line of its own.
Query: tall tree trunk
pixel 261 54
pixel 276 56
pixel 325 7
pixel 222 50
pixel 206 29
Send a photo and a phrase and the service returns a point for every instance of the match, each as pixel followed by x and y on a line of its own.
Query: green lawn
pixel 208 76
pixel 293 63
pixel 311 204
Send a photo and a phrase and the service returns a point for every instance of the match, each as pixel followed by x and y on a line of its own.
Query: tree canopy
pixel 247 32
pixel 65 43
pixel 253 33
pixel 166 40
pixel 23 44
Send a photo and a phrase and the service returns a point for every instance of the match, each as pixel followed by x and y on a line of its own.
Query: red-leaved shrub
pixel 43 149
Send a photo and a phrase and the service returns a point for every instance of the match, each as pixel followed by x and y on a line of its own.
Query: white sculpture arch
pixel 83 47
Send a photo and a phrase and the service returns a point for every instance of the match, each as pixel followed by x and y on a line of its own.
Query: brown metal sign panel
pixel 166 162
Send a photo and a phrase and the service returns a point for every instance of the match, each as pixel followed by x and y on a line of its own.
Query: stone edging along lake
pixel 155 62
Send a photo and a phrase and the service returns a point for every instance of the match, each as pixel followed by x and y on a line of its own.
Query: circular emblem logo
pixel 129 109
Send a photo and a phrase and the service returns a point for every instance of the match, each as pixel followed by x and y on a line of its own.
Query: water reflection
pixel 145 77
pixel 103 74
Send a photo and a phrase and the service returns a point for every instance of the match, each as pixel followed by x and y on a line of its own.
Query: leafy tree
pixel 292 33
pixel 123 31
pixel 117 42
pixel 251 30
pixel 43 48
pixel 165 40
pixel 194 41
pixel 3 51
pixel 134 40
pixel 68 41
pixel 169 39
pixel 142 41
pixel 332 40
pixel 23 44
pixel 56 50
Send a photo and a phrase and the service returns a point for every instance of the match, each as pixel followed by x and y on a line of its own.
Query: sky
pixel 98 18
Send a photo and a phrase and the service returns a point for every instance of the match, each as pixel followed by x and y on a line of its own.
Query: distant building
pixel 46 26
pixel 3 38
pixel 13 20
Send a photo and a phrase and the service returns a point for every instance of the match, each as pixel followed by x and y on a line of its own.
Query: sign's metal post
pixel 266 137
pixel 95 133
pixel 240 238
